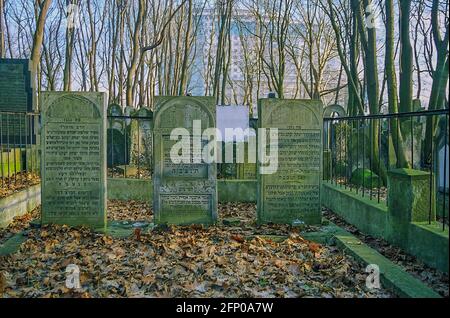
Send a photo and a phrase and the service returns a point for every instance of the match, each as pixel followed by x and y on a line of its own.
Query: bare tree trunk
pixel 406 60
pixel 135 54
pixel 70 36
pixel 440 76
pixel 39 35
pixel 2 31
pixel 392 84
pixel 184 70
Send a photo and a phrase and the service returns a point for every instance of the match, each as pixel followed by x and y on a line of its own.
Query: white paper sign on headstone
pixel 232 117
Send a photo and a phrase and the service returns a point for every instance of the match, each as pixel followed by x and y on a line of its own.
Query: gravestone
pixel 115 122
pixel 117 147
pixel 73 173
pixel 141 134
pixel 184 193
pixel 236 118
pixel 291 194
pixel 16 99
pixel 247 169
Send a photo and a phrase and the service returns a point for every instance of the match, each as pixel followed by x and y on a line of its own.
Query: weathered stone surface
pixel 115 122
pixel 16 95
pixel 292 193
pixel 247 169
pixel 141 134
pixel 73 158
pixel 409 196
pixel 184 193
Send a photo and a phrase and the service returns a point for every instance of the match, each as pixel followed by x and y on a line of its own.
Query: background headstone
pixel 117 146
pixel 235 117
pixel 183 193
pixel 73 173
pixel 16 95
pixel 141 135
pixel 292 194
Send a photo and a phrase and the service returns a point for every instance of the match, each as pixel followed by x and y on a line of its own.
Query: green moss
pixel 366 178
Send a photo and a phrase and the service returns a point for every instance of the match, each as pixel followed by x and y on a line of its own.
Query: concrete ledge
pixel 129 189
pixel 237 190
pixel 19 204
pixel 392 276
pixel 367 215
pixel 142 190
pixel 429 243
pixel 12 245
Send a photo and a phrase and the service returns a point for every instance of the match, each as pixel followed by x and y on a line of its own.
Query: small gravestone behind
pixel 184 192
pixel 16 99
pixel 141 135
pixel 247 169
pixel 117 147
pixel 73 184
pixel 115 121
pixel 235 121
pixel 290 193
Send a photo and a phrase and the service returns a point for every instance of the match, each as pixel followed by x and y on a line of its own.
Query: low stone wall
pixel 142 190
pixel 237 190
pixel 19 204
pixel 129 189
pixel 367 215
pixel 428 242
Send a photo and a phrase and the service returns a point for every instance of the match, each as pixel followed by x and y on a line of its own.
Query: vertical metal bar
pixel 350 159
pixel 124 124
pixel 139 148
pixel 26 142
pixel 396 142
pixel 340 152
pixel 431 203
pixel 444 190
pixel 364 156
pixel 372 130
pixel 1 148
pixel 31 118
pixel 388 150
pixel 412 142
pixel 346 154
pixel 332 152
pixel 379 158
pixel 111 146
pixel 7 147
pixel 357 151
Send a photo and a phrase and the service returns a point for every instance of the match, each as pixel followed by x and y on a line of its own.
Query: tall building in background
pixel 206 47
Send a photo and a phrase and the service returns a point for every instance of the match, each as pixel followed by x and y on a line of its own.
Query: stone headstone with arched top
pixel 73 186
pixel 289 192
pixel 185 185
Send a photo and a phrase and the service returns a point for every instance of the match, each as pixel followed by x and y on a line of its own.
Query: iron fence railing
pixel 360 150
pixel 129 146
pixel 19 147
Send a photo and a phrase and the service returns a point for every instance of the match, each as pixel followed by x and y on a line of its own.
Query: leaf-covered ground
pixel 221 261
pixel 17 182
pixel 432 277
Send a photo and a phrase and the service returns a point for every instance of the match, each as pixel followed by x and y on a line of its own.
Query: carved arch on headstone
pixel 115 110
pixel 70 105
pixel 331 109
pixel 293 111
pixel 167 104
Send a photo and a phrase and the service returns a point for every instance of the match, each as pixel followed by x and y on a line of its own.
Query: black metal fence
pixel 359 151
pixel 19 150
pixel 129 146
